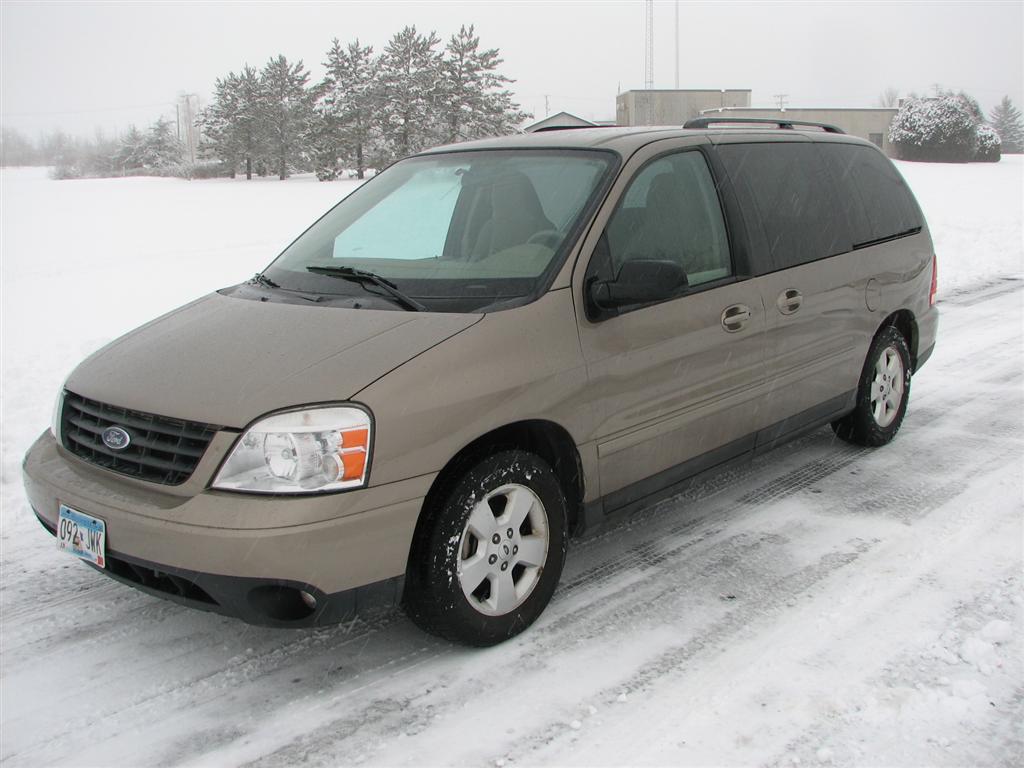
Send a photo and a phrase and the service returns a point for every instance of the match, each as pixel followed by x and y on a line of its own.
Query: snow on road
pixel 823 605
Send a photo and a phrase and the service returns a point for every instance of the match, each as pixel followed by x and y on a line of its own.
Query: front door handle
pixel 735 317
pixel 789 301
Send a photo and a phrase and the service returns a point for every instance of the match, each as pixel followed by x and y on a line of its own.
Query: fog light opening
pixel 282 603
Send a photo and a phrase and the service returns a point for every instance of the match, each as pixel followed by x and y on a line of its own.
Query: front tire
pixel 487 558
pixel 882 393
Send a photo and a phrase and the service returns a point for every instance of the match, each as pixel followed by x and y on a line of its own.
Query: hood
pixel 227 361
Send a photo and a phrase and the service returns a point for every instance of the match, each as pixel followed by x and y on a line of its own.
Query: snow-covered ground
pixel 823 605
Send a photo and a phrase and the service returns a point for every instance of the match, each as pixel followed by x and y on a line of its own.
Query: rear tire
pixel 487 558
pixel 882 393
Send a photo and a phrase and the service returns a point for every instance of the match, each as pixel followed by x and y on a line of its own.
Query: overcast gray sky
pixel 82 65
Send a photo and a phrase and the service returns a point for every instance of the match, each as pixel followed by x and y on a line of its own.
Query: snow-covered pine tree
pixel 248 121
pixel 131 150
pixel 323 139
pixel 218 123
pixel 286 114
pixel 161 148
pixel 346 105
pixel 409 78
pixel 1007 121
pixel 232 124
pixel 475 102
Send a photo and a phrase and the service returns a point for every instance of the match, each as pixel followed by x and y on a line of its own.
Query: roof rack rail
pixel 545 128
pixel 705 122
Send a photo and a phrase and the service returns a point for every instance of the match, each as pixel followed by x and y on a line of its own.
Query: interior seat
pixel 516 215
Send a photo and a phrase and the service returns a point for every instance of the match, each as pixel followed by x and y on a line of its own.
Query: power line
pixel 88 111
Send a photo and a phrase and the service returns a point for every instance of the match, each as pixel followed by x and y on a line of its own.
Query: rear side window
pixel 789 187
pixel 881 206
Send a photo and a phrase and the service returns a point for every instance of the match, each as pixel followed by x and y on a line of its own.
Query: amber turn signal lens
pixel 352 438
pixel 354 462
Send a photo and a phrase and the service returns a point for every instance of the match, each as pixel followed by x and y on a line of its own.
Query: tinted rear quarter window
pixel 794 196
pixel 881 204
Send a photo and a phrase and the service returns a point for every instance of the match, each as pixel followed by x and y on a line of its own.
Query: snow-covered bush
pixel 937 130
pixel 989 144
pixel 64 171
pixel 210 169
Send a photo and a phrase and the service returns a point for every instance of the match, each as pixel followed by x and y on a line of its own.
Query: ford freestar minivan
pixel 482 351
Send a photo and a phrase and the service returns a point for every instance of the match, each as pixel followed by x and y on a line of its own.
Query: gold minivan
pixel 483 351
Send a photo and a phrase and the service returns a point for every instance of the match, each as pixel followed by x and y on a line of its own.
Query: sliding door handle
pixel 734 318
pixel 789 301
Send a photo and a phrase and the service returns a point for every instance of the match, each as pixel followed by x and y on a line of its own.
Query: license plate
pixel 82 535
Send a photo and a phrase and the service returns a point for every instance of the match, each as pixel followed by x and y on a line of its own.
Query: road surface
pixel 824 604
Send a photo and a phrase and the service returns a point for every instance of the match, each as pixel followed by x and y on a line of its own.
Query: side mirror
pixel 640 281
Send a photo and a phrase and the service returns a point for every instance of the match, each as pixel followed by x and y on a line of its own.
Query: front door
pixel 675 380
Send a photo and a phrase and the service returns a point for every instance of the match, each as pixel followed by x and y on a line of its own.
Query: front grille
pixel 161 450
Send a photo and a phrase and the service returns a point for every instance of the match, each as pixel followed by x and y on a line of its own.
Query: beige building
pixel 671 107
pixel 871 124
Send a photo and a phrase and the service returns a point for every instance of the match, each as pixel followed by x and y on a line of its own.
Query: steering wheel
pixel 548 237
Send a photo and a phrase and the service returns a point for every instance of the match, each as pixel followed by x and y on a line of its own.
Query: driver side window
pixel 670 212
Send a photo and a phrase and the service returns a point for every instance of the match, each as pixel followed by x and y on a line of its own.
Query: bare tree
pixel 889 98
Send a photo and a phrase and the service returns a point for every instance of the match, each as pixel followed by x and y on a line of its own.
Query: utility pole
pixel 186 108
pixel 547 104
pixel 677 45
pixel 781 99
pixel 649 62
pixel 649 45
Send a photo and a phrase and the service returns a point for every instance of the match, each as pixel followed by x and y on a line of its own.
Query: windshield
pixel 457 232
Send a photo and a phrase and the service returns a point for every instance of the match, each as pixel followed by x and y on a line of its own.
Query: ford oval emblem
pixel 116 438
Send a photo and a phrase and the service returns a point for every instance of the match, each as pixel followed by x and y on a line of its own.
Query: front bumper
pixel 239 554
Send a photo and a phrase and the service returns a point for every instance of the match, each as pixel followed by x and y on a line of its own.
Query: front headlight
pixel 307 451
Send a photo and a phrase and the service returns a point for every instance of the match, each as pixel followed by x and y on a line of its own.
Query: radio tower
pixel 649 60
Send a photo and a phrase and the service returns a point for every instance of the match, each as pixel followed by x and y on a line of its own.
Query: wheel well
pixel 904 322
pixel 545 439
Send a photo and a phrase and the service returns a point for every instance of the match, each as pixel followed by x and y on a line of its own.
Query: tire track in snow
pixel 873 597
pixel 744 558
pixel 920 674
pixel 984 292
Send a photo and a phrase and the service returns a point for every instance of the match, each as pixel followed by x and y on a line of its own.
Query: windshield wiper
pixel 260 279
pixel 361 275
